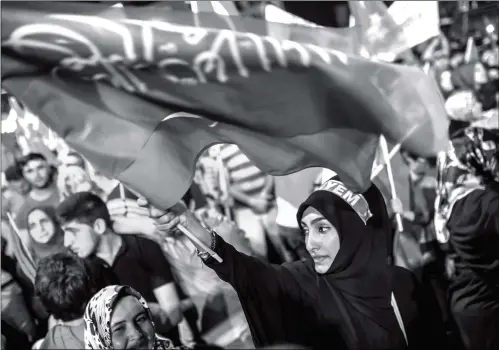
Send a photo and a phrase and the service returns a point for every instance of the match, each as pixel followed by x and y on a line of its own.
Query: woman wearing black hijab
pixel 341 298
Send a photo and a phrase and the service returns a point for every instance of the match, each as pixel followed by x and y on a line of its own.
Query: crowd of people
pixel 88 263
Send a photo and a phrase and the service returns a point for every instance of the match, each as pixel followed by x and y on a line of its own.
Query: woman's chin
pixel 321 268
pixel 44 240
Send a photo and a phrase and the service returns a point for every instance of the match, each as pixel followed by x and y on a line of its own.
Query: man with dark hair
pixel 40 176
pixel 65 284
pixel 137 261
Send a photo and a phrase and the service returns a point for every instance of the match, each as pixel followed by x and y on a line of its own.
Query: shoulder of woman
pixel 480 199
pixel 475 207
pixel 302 271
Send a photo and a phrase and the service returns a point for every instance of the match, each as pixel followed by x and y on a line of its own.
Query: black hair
pixel 14 173
pixel 29 157
pixel 84 207
pixel 64 284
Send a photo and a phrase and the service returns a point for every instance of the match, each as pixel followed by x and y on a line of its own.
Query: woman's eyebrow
pixel 314 221
pixel 140 314
pixel 319 219
pixel 117 323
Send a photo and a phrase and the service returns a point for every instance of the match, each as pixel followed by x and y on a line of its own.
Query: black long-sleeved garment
pixel 346 308
pixel 474 290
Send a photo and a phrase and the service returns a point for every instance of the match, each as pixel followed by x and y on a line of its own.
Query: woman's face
pixel 131 327
pixel 321 239
pixel 40 226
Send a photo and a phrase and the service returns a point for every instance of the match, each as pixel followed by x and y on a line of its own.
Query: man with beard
pixel 40 176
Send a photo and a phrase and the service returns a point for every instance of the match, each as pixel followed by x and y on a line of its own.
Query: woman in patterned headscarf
pixel 467 219
pixel 118 317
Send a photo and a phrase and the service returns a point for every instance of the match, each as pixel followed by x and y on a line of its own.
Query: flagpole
pixel 22 249
pixel 223 185
pixel 393 190
pixel 379 168
pixel 122 191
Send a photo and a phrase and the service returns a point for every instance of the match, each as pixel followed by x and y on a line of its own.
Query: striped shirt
pixel 242 174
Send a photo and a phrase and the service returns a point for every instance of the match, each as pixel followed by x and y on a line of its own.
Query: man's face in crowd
pixel 80 238
pixel 419 166
pixel 37 173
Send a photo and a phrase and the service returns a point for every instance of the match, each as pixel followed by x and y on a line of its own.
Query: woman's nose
pixel 312 242
pixel 134 333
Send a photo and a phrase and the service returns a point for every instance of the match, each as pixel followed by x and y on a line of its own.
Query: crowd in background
pixel 68 234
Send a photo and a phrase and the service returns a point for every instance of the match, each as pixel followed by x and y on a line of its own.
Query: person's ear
pixel 100 226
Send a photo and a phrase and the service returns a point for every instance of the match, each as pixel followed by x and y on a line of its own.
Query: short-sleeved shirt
pixel 142 265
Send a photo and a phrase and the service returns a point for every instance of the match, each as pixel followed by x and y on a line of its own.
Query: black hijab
pixel 348 307
pixel 358 281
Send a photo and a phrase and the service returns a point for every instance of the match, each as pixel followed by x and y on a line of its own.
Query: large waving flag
pixel 141 93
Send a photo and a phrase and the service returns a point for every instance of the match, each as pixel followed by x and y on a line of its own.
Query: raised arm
pixel 271 295
pixel 243 272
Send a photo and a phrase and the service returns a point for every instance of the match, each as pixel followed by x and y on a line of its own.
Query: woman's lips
pixel 319 258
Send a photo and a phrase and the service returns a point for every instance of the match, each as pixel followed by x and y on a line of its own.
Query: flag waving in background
pixel 385 32
pixel 142 93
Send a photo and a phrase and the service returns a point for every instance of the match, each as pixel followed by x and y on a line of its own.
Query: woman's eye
pixel 118 329
pixel 323 229
pixel 141 319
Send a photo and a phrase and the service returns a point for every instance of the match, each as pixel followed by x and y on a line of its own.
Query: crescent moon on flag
pixel 186 115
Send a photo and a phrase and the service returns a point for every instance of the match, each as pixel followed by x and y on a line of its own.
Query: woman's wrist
pixel 205 256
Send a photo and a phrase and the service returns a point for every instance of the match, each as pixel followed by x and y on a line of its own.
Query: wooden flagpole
pixel 393 190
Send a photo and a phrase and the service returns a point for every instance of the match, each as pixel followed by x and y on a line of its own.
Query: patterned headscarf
pixel 471 162
pixel 98 318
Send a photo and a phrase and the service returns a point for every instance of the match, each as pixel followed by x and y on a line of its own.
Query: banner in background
pixel 419 19
pixel 140 94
